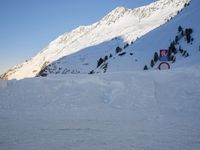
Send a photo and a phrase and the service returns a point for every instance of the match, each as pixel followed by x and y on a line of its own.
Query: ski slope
pixel 114 111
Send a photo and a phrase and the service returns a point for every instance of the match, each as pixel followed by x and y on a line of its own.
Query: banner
pixel 164 55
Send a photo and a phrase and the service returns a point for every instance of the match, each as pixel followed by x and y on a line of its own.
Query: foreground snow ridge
pixel 132 110
pixel 128 24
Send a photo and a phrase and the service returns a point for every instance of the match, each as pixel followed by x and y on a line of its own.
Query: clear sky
pixel 27 26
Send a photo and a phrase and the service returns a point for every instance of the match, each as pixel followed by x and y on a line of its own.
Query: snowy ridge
pixel 128 24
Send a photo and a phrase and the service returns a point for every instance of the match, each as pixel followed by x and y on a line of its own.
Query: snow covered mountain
pixel 78 51
pixel 186 46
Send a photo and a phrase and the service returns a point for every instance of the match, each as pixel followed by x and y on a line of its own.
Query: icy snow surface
pixel 153 110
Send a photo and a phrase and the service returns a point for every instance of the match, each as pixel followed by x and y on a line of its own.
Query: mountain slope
pixel 161 38
pixel 122 25
pixel 134 56
pixel 143 49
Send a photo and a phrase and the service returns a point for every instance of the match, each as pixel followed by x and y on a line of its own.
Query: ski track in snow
pixel 131 110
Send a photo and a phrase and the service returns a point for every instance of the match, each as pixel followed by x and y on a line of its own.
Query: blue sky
pixel 27 26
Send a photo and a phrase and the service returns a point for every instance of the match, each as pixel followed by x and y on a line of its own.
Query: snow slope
pixel 160 38
pixel 137 53
pixel 126 24
pixel 140 110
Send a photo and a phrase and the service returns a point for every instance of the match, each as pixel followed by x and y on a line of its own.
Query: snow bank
pixel 130 110
pixel 3 84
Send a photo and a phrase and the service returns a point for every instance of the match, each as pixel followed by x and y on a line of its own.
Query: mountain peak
pixel 114 15
pixel 119 10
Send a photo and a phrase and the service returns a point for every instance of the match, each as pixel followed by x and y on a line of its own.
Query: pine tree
pixel 105 67
pixel 180 50
pixel 176 39
pixel 105 58
pixel 187 54
pixel 185 5
pixel 184 53
pixel 152 63
pixel 189 30
pixel 188 38
pixel 182 33
pixel 99 62
pixel 173 59
pixel 172 48
pixel 169 54
pixel 145 67
pixel 118 49
pixel 125 46
pixel 188 33
pixel 180 29
pixel 156 57
pixel 91 72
